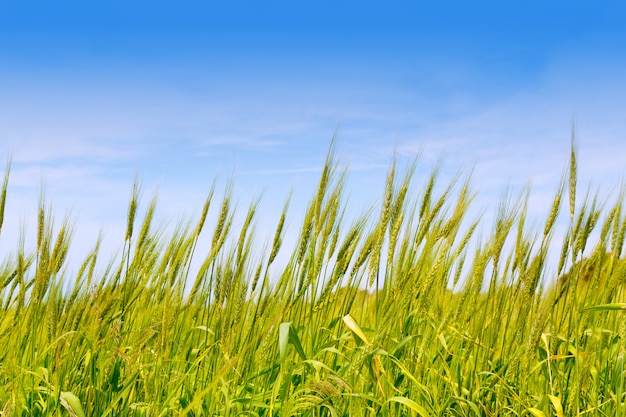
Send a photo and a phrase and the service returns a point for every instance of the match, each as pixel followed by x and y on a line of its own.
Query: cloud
pixel 86 139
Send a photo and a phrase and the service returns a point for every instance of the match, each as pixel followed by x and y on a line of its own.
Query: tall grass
pixel 361 320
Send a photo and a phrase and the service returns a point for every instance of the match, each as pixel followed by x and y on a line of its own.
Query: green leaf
pixel 286 334
pixel 72 404
pixel 283 339
pixel 352 325
pixel 206 329
pixel 606 307
pixel 535 412
pixel 410 404
pixel 295 341
pixel 556 403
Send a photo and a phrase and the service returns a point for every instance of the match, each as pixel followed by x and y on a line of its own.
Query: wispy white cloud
pixel 87 141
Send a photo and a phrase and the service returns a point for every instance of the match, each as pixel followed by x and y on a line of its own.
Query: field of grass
pixel 361 321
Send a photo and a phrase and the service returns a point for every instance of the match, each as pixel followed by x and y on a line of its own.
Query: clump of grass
pixel 405 311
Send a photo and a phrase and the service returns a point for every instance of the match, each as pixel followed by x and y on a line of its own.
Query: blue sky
pixel 92 95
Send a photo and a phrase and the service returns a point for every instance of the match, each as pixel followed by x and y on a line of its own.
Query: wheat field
pixel 405 311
